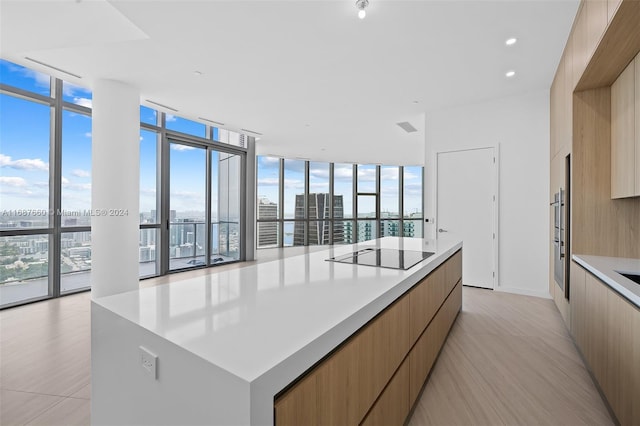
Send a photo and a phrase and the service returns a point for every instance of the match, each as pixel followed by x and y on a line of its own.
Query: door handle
pixel 442 230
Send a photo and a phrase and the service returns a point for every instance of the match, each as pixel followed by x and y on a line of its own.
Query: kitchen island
pixel 227 344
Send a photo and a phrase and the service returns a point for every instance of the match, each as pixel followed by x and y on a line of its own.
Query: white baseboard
pixel 525 292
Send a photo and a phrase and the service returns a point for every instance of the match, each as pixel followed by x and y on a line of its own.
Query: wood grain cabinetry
pixel 637 121
pixel 371 378
pixel 578 296
pixel 606 328
pixel 612 7
pixel 393 405
pixel 624 141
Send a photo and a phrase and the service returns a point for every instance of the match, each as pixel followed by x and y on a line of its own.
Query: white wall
pixel 520 127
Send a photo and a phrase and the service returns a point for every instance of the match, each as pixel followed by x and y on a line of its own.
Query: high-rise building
pixel 267 231
pixel 366 230
pixel 319 226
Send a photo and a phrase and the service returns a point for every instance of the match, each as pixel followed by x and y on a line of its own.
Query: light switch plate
pixel 149 362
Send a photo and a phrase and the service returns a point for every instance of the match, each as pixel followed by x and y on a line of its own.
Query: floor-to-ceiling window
pixel 45 189
pixel 309 203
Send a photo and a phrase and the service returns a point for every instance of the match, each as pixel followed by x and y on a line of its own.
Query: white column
pixel 115 188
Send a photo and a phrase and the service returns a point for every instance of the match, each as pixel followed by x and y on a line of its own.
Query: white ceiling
pixel 317 82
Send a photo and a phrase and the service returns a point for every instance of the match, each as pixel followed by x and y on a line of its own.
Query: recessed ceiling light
pixel 416 102
pixel 510 73
pixel 511 41
pixel 197 73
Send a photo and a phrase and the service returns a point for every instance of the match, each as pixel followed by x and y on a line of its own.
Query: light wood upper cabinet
pixel 596 23
pixel 624 162
pixel 579 41
pixel 612 7
pixel 637 121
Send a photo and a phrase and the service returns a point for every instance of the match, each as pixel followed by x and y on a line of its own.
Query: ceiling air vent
pixel 407 127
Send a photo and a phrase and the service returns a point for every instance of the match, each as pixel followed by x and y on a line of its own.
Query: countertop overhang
pixel 608 269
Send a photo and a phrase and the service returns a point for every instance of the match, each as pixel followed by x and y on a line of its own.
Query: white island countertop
pixel 608 270
pixel 266 324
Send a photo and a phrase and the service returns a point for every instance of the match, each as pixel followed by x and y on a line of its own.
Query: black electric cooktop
pixel 383 258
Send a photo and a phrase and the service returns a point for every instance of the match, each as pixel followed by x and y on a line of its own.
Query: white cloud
pixel 178 147
pixel 41 79
pixel 318 187
pixel 367 175
pixel 72 90
pixel 13 181
pixel 186 195
pixel 409 176
pixel 389 173
pixel 293 183
pixel 270 161
pixel 88 134
pixel 24 163
pixel 170 117
pixel 343 172
pixel 72 186
pixel 80 173
pixel 78 186
pixel 268 181
pixel 85 102
pixel 319 173
pixel 413 189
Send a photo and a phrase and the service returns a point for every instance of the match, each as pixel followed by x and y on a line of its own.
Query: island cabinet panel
pixel 425 299
pixel 342 388
pixel 370 377
pixel 393 405
pixel 383 345
pixel 426 349
pixel 299 407
pixel 453 270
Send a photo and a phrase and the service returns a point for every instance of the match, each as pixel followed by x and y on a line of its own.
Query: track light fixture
pixel 361 5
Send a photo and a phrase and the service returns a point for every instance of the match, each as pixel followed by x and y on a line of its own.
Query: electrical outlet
pixel 149 362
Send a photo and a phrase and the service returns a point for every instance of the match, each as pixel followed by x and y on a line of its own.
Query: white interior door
pixel 466 209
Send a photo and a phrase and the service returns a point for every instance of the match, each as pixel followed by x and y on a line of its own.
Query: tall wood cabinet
pixel 376 375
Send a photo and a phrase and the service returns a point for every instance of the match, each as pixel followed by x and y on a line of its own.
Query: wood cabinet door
pixel 383 346
pixel 424 300
pixel 453 269
pixel 623 159
pixel 578 276
pixel 393 405
pixel 595 350
pixel 299 405
pixel 637 122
